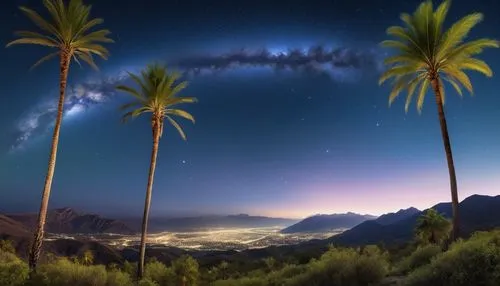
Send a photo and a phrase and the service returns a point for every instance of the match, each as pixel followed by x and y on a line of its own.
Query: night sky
pixel 290 120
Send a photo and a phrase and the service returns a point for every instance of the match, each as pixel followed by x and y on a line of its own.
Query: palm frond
pixel 132 91
pixel 421 95
pixel 33 41
pixel 40 22
pixel 134 113
pixel 131 104
pixel 400 84
pixel 177 126
pixel 470 49
pixel 476 65
pixel 180 113
pixel 454 84
pixel 457 33
pixel 87 57
pixel 439 17
pixel 456 74
pixel 46 58
pixel 398 71
pixel 412 86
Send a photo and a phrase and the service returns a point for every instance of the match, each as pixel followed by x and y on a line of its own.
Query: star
pixel 183 161
pixel 327 150
pixel 378 124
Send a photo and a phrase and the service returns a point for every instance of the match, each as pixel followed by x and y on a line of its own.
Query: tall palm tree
pixel 157 94
pixel 68 31
pixel 427 55
pixel 432 227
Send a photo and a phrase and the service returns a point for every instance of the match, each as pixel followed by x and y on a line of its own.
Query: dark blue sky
pixel 293 142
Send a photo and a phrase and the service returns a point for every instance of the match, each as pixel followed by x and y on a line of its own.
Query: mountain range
pixel 326 223
pixel 159 224
pixel 476 213
pixel 67 220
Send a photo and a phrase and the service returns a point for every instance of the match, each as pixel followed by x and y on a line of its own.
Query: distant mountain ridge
pixel 67 220
pixel 324 223
pixel 211 221
pixel 477 213
pixel 391 218
pixel 11 228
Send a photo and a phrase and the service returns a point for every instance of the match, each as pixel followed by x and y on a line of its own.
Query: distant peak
pixel 241 215
pixel 410 209
pixel 65 210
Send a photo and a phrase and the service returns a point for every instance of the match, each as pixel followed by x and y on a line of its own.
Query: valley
pixel 216 239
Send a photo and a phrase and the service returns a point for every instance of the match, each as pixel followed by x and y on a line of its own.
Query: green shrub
pixel 245 281
pixel 159 273
pixel 472 262
pixel 420 257
pixel 186 270
pixel 13 271
pixel 7 246
pixel 64 272
pixel 335 267
pixel 118 278
pixel 344 267
pixel 130 268
pixel 147 282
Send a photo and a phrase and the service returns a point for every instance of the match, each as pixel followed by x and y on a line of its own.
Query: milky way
pixel 315 59
pixel 338 63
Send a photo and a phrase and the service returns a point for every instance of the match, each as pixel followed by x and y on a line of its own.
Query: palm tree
pixel 158 94
pixel 426 55
pixel 68 31
pixel 87 257
pixel 432 227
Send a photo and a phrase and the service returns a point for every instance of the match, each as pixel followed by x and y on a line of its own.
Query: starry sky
pixel 290 120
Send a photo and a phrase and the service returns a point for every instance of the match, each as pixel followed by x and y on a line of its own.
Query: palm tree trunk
pixel 147 202
pixel 36 247
pixel 449 157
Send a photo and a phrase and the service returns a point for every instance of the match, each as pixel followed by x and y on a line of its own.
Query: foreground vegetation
pixel 475 261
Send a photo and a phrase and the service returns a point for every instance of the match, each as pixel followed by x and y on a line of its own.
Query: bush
pixel 118 278
pixel 472 262
pixel 186 270
pixel 130 268
pixel 335 267
pixel 348 267
pixel 420 257
pixel 7 246
pixel 147 282
pixel 159 273
pixel 13 271
pixel 245 281
pixel 63 272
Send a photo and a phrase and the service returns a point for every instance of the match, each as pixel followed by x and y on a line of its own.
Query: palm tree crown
pixel 68 30
pixel 432 227
pixel 425 52
pixel 158 94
